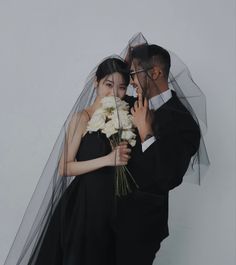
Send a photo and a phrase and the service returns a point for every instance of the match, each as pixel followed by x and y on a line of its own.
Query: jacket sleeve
pixel 171 153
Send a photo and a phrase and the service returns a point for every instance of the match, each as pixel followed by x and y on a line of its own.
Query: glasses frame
pixel 138 71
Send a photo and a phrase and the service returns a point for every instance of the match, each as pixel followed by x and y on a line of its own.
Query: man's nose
pixel 132 83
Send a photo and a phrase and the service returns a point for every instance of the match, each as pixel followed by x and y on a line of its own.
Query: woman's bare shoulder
pixel 81 116
pixel 79 121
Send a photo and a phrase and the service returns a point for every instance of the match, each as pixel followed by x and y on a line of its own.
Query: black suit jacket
pixel 162 165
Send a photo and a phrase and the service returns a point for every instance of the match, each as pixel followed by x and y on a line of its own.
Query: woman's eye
pixel 109 85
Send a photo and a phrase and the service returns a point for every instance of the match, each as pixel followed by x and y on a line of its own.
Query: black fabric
pixel 87 227
pixel 138 229
pixel 162 166
pixel 53 196
pixel 143 56
pixel 143 215
pixel 80 230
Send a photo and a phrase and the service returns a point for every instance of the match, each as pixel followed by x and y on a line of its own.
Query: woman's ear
pixel 95 84
pixel 156 72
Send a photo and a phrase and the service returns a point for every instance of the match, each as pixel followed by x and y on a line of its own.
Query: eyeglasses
pixel 138 71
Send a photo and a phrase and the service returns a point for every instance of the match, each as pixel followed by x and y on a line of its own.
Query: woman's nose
pixel 113 92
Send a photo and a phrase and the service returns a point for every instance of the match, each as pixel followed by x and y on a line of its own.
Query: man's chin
pixel 139 91
pixel 135 94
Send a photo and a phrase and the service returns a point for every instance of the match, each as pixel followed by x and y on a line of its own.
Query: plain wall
pixel 47 49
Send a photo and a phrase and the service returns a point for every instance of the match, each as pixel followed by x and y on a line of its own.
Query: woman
pixel 73 224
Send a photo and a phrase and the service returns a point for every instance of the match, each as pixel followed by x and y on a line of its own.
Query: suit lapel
pixel 163 116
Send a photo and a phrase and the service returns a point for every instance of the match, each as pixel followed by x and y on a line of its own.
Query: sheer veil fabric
pixel 188 92
pixel 52 185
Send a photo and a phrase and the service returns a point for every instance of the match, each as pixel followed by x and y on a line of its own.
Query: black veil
pixel 51 185
pixel 188 92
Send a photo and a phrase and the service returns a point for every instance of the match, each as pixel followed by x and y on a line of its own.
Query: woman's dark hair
pixel 113 65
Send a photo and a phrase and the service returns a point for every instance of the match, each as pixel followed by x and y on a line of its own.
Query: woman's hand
pixel 119 155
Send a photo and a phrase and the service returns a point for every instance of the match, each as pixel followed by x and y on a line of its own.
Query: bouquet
pixel 113 119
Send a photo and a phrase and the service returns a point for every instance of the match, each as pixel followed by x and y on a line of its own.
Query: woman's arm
pixel 69 167
pixel 118 156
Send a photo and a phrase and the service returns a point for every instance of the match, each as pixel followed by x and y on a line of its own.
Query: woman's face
pixel 111 85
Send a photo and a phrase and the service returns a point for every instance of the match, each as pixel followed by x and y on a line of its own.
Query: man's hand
pixel 142 117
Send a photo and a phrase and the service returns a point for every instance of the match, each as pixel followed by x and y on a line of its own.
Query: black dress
pixel 80 231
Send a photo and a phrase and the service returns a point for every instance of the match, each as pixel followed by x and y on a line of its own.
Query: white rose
pixel 130 117
pixel 99 111
pixel 127 135
pixel 127 122
pixel 114 102
pixel 109 129
pixel 130 136
pixel 109 102
pixel 121 119
pixel 97 122
pixel 123 105
pixel 132 142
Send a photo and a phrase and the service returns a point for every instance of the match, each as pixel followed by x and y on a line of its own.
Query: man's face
pixel 138 78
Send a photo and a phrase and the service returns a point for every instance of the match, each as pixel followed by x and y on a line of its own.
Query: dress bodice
pixel 94 145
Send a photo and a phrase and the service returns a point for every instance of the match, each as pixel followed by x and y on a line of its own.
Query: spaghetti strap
pixel 87 113
pixel 89 119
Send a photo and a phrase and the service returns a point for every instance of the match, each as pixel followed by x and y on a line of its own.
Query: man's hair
pixel 149 55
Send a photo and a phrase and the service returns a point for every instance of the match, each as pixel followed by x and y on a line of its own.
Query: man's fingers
pixel 145 102
pixel 132 111
pixel 140 99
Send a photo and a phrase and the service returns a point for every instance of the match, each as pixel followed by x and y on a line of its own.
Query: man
pixel 168 137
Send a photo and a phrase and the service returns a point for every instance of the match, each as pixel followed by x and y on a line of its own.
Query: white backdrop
pixel 48 47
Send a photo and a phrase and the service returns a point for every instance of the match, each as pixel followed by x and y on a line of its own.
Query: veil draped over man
pixel 51 185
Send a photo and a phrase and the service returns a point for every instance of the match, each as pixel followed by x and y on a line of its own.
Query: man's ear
pixel 156 72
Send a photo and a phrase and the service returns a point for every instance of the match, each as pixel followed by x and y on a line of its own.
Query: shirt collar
pixel 158 100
